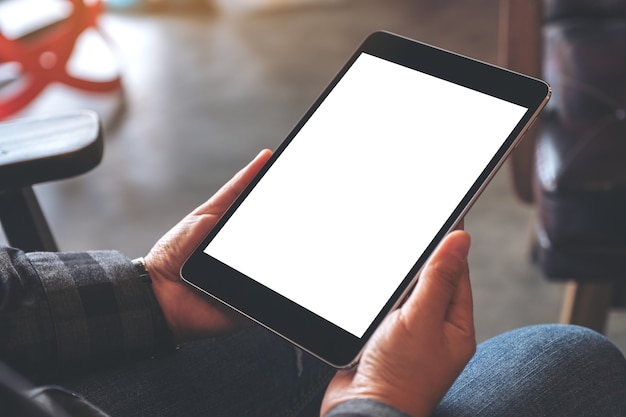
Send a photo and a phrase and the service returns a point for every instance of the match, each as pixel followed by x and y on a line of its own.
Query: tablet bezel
pixel 320 337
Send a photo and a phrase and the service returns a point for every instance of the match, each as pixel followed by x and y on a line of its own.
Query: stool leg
pixel 24 223
pixel 587 304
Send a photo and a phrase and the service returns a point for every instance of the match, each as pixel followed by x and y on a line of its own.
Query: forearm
pixel 74 311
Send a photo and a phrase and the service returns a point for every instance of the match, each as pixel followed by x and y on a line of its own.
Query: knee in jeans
pixel 575 349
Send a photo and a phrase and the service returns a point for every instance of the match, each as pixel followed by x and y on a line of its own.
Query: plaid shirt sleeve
pixel 364 407
pixel 62 313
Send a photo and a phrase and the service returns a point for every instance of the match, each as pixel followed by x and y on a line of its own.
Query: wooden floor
pixel 203 93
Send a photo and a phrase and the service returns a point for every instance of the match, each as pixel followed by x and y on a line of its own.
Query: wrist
pixel 163 335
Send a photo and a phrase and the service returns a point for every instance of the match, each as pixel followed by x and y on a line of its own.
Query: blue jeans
pixel 548 370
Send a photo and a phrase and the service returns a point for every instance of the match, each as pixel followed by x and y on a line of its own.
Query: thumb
pixel 439 281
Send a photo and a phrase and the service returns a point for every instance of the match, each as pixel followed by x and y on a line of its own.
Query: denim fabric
pixel 547 370
pixel 249 373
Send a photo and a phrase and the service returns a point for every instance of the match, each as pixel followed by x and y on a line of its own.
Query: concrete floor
pixel 203 93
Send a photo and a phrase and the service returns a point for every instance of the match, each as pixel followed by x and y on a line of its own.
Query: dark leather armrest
pixel 40 149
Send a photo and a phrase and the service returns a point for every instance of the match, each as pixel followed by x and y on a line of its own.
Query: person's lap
pixel 249 373
pixel 541 370
pixel 549 370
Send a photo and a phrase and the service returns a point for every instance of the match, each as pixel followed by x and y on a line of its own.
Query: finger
pixel 231 190
pixel 188 233
pixel 439 281
pixel 460 310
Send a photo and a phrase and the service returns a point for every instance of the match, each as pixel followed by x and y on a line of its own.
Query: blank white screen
pixel 344 213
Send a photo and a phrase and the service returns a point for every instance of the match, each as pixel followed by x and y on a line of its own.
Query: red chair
pixel 42 58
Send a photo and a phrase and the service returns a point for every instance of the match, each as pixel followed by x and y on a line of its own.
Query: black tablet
pixel 333 232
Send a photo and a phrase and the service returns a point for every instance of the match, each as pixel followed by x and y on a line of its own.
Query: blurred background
pixel 205 85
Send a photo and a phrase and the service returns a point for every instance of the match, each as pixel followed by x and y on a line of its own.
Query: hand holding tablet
pixel 331 235
pixel 420 348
